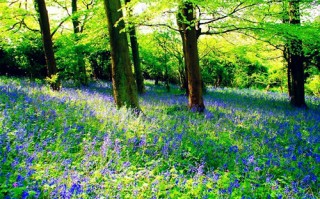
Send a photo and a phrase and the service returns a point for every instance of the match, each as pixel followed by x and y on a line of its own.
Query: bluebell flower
pixel 316 157
pixel 24 195
pixel 215 177
pixel 75 188
pixel 143 141
pixel 233 149
pixel 200 169
pixel 126 164
pixel 20 180
pixel 268 180
pixel 257 169
pixel 251 159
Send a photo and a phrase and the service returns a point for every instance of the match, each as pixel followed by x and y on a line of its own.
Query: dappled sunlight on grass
pixel 77 144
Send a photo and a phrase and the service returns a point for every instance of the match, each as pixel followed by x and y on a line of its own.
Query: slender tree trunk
pixel 124 86
pixel 135 56
pixel 295 64
pixel 166 72
pixel 182 73
pixel 136 61
pixel 75 18
pixel 190 39
pixel 286 56
pixel 181 31
pixel 47 43
pixel 81 70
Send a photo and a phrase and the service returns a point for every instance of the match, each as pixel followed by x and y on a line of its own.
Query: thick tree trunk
pixel 190 38
pixel 136 57
pixel 124 86
pixel 47 43
pixel 295 63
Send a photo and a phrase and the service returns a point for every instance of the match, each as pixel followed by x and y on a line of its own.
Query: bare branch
pixel 59 25
pixel 228 29
pixel 13 2
pixel 278 47
pixel 159 25
pixel 62 6
pixel 27 27
pixel 235 10
pixel 14 26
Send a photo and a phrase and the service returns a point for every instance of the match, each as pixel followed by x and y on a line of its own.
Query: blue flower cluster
pixel 77 144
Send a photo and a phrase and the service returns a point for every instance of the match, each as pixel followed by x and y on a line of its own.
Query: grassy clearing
pixel 76 144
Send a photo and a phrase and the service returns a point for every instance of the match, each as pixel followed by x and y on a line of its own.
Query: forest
pixel 159 99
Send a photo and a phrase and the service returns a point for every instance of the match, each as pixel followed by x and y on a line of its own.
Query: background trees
pixel 240 44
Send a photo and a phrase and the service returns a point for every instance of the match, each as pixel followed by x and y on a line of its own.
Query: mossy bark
pixel 124 86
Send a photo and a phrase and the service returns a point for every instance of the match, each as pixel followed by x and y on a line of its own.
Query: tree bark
pixel 75 18
pixel 47 43
pixel 295 57
pixel 190 39
pixel 124 86
pixel 286 49
pixel 135 56
pixel 181 31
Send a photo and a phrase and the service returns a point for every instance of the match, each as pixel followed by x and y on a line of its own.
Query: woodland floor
pixel 76 144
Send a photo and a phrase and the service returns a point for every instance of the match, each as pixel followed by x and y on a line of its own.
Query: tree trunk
pixel 166 75
pixel 286 49
pixel 181 31
pixel 47 44
pixel 135 56
pixel 289 65
pixel 124 86
pixel 75 18
pixel 156 82
pixel 295 63
pixel 190 38
pixel 82 74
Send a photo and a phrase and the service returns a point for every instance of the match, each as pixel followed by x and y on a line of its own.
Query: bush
pixel 23 57
pixel 313 85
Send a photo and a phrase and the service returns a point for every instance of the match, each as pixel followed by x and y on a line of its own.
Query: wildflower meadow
pixel 77 144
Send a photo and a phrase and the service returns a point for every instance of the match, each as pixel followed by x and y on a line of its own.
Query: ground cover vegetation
pixel 76 144
pixel 159 99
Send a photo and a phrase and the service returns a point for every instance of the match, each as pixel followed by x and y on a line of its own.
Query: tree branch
pixel 59 25
pixel 229 29
pixel 159 25
pixel 236 9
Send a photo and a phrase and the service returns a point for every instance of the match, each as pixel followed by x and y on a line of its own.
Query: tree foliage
pixel 232 36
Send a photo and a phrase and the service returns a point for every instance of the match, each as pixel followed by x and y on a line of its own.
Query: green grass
pixel 76 144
